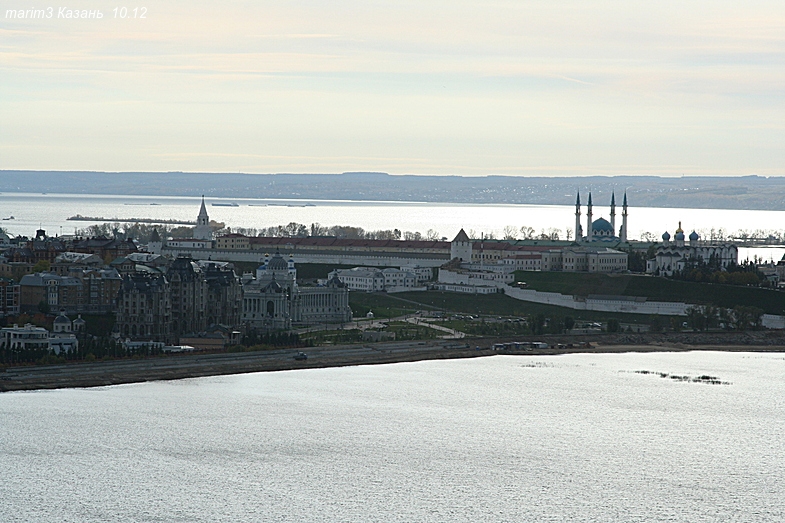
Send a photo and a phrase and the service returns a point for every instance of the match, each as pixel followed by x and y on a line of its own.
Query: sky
pixel 538 88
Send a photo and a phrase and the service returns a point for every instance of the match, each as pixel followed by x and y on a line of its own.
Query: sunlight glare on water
pixel 564 438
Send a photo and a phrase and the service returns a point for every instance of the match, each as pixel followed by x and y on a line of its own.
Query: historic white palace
pixel 273 300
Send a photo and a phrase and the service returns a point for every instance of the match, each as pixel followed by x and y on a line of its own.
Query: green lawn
pixel 407 331
pixel 381 304
pixel 389 305
pixel 332 337
pixel 654 288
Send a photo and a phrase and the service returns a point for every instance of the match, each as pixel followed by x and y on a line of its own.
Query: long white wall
pixel 666 308
pixel 602 305
pixel 338 258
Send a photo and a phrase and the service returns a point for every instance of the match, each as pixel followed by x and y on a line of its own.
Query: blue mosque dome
pixel 602 225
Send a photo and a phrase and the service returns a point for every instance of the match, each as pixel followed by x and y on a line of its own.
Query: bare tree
pixel 527 232
pixel 648 237
pixel 510 232
pixel 318 230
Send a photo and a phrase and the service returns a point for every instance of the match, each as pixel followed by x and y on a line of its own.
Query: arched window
pixel 270 309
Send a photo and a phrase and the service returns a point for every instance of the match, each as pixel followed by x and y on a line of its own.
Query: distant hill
pixel 744 192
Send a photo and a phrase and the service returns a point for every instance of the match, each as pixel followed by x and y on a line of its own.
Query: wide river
pixel 50 211
pixel 498 439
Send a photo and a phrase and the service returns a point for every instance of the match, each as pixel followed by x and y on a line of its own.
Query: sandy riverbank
pixel 117 372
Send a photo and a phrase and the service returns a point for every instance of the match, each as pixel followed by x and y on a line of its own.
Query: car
pixel 300 356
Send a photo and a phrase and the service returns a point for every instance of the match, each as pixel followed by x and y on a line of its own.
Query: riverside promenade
pixel 116 372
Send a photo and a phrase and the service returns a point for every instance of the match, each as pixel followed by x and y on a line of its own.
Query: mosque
pixel 600 229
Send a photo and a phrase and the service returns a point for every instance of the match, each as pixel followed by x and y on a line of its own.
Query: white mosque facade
pixel 600 229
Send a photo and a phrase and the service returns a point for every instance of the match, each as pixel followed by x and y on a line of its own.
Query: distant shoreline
pixel 118 372
pixel 80 218
pixel 697 192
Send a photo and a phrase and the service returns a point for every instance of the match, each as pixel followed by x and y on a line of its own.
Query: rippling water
pixel 52 210
pixel 499 439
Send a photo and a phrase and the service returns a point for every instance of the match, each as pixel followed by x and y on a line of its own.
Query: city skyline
pixel 542 88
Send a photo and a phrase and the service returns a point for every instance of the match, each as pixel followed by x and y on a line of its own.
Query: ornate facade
pixel 185 299
pixel 272 300
pixel 144 307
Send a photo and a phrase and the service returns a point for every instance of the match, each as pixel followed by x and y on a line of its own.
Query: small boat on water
pixel 232 204
pixel 9 218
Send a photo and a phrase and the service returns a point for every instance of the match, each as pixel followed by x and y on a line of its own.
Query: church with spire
pixel 202 230
pixel 600 229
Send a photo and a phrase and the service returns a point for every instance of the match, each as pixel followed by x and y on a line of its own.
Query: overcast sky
pixel 425 87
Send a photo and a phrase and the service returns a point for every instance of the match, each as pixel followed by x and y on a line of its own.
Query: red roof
pixel 337 242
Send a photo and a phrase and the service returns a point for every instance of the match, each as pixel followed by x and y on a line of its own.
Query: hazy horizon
pixel 558 88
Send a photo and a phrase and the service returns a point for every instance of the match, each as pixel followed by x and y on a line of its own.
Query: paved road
pixel 452 334
pixel 113 372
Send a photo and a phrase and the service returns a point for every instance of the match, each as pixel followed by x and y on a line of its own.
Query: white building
pixel 188 243
pixel 202 230
pixel 272 300
pixel 676 255
pixel 27 338
pixel 475 277
pixel 62 339
pixel 365 279
pixel 370 279
pixel 397 278
pixel 461 247
pixel 593 259
pixel 524 262
pixel 422 273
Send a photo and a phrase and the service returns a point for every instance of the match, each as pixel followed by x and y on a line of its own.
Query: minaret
pixel 589 231
pixel 613 212
pixel 623 232
pixel 202 230
pixel 578 218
